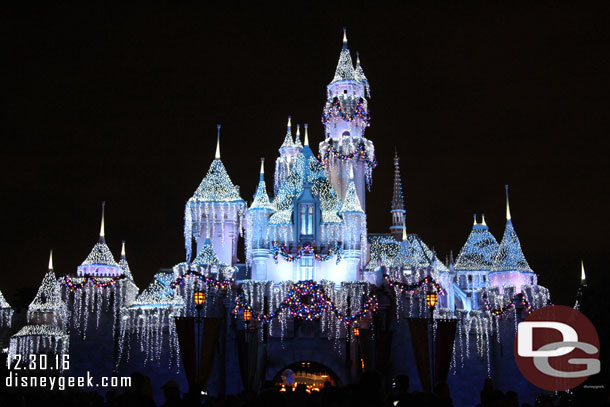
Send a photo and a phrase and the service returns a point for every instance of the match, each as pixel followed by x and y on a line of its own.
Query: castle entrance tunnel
pixel 315 376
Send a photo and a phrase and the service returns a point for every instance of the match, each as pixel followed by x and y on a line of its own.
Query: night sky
pixel 120 103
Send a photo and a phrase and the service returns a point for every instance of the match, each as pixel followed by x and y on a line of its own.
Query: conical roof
pixel 123 263
pixel 417 254
pixel 345 66
pixel 510 257
pixel 307 169
pixel 48 297
pixel 3 302
pixel 216 186
pixel 159 293
pixel 207 256
pixel 351 204
pixel 261 199
pixel 288 140
pixel 360 77
pixel 100 255
pixel 479 251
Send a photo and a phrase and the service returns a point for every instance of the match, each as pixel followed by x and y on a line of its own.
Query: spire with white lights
pixel 510 268
pixel 581 286
pixel 261 199
pixel 361 77
pixel 479 251
pixel 216 208
pixel 100 261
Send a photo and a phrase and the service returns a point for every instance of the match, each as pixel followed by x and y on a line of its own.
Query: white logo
pixel 568 343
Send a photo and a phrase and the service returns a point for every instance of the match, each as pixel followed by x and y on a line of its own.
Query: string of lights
pixel 280 249
pixel 210 282
pixel 72 285
pixel 427 281
pixel 360 152
pixel 306 300
pixel 335 110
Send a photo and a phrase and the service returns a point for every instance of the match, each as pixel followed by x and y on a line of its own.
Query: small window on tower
pixel 345 91
pixel 306 219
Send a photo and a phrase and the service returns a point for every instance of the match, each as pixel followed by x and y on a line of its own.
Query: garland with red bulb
pixel 89 279
pixel 210 282
pixel 282 250
pixel 427 281
pixel 508 307
pixel 306 300
pixel 359 152
pixel 335 110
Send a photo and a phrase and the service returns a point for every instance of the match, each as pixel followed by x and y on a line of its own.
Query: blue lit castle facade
pixel 313 286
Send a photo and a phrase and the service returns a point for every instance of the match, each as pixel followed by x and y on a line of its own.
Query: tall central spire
pixel 507 205
pixel 218 142
pixel 345 66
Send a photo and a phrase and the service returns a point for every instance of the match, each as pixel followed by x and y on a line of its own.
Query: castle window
pixel 306 219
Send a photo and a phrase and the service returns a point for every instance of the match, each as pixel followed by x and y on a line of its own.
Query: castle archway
pixel 314 375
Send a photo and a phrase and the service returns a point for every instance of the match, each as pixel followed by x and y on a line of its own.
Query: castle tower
pixel 215 211
pixel 354 239
pixel 510 267
pixel 46 321
pixel 345 118
pixel 6 312
pixel 100 261
pixel 474 263
pixel 257 239
pixel 398 203
pixel 289 151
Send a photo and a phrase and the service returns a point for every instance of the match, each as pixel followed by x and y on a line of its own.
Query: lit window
pixel 306 219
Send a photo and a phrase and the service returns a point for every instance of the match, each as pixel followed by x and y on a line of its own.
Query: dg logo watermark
pixel 557 348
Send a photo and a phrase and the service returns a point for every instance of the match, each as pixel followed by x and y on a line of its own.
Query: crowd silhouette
pixel 369 391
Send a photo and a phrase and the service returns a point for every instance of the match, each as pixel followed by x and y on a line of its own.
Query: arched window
pixel 306 219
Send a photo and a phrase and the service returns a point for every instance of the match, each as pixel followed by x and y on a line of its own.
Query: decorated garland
pixel 280 249
pixel 209 281
pixel 88 279
pixel 306 300
pixel 334 110
pixel 426 281
pixel 508 307
pixel 359 152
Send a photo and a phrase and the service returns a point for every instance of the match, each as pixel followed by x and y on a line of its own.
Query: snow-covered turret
pixel 215 210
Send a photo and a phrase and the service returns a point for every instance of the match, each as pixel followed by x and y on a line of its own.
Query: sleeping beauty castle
pixel 318 297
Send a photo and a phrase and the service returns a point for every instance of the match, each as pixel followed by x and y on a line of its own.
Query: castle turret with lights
pixel 315 296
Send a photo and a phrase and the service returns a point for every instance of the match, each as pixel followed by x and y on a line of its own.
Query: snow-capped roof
pixel 159 293
pixel 216 186
pixel 479 251
pixel 306 169
pixel 510 257
pixel 261 198
pixel 351 204
pixel 345 66
pixel 3 302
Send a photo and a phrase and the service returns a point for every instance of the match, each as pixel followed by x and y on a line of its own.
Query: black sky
pixel 120 103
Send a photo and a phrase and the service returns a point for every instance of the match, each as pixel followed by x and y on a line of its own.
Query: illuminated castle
pixel 311 272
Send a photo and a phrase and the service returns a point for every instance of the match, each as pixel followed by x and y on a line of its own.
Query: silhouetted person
pixel 138 395
pixel 171 392
pixel 487 392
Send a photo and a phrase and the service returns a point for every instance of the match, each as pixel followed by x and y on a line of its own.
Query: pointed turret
pixel 123 262
pixel 297 138
pixel 306 142
pixel 479 251
pixel 48 298
pixel 288 141
pixel 398 203
pixel 345 66
pixel 583 277
pixel 217 205
pixel 6 312
pixel 510 267
pixel 261 199
pixel 361 77
pixel 100 261
pixel 351 204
